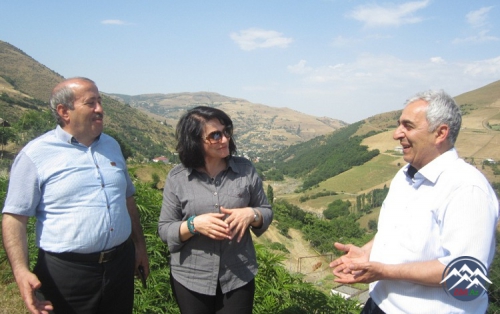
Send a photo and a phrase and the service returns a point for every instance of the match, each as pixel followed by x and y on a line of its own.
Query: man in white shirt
pixel 438 209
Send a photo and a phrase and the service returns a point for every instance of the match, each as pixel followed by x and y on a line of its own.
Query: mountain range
pixel 258 127
pixel 146 122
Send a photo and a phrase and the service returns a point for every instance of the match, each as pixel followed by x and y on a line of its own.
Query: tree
pixel 33 124
pixel 125 148
pixel 270 194
pixel 336 209
pixel 6 134
pixel 156 179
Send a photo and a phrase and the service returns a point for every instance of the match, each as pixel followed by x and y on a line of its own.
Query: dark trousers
pixel 239 301
pixel 88 287
pixel 371 308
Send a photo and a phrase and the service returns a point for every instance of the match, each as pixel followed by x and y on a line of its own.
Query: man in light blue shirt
pixel 74 180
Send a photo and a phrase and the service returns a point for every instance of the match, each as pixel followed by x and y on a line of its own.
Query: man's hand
pixel 359 273
pixel 16 247
pixel 28 283
pixel 354 266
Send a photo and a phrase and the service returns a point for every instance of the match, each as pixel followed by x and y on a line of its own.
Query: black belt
pixel 97 257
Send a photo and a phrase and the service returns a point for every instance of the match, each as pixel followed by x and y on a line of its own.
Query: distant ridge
pixel 485 95
pixel 25 74
pixel 27 85
pixel 258 128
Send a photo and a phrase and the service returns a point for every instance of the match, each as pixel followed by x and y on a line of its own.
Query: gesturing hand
pixel 238 220
pixel 213 226
pixel 354 266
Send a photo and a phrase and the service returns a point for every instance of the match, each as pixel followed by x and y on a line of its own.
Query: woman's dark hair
pixel 189 133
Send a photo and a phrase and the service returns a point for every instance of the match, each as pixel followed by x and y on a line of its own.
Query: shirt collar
pixel 70 139
pixel 433 169
pixel 230 164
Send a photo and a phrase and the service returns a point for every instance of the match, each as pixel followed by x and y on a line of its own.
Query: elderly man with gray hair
pixel 440 212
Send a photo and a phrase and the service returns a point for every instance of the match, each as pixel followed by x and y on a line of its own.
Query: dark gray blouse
pixel 200 262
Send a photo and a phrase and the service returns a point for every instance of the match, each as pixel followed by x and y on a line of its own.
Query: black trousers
pixel 371 308
pixel 238 301
pixel 88 287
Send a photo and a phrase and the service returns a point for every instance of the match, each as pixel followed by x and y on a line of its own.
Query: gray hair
pixel 65 96
pixel 441 109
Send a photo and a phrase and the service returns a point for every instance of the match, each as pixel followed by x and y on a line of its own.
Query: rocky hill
pixel 258 127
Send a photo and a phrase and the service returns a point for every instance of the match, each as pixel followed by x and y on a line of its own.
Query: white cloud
pixel 437 60
pixel 389 15
pixel 253 38
pixel 479 17
pixel 481 37
pixel 374 84
pixel 113 22
pixel 489 68
pixel 299 68
pixel 341 41
pixel 478 20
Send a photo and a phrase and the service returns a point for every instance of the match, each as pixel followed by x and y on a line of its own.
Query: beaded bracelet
pixel 190 224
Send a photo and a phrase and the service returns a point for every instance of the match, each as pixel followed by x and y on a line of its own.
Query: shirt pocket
pixel 238 194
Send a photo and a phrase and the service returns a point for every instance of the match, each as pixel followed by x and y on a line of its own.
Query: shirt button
pixel 112 229
pixel 216 182
pixel 215 193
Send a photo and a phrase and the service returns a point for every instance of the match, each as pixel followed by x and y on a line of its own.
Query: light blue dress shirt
pixel 77 193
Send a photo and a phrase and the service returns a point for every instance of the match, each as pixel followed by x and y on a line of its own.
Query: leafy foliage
pixel 305 198
pixel 32 124
pixel 270 194
pixel 336 209
pixel 274 175
pixel 367 201
pixel 320 233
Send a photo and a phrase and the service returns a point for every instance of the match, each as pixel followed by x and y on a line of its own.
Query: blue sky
pixel 337 58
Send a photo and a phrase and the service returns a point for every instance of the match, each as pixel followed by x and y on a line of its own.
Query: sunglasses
pixel 216 136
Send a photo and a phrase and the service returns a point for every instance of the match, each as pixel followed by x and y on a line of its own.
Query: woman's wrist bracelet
pixel 190 223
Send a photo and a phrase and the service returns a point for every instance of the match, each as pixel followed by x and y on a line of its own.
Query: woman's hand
pixel 213 226
pixel 238 220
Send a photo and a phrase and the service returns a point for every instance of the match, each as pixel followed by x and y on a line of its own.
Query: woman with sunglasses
pixel 211 202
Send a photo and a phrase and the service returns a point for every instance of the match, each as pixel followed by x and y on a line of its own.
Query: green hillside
pixel 323 157
pixel 25 87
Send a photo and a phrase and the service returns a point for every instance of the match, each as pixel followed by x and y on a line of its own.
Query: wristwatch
pixel 255 215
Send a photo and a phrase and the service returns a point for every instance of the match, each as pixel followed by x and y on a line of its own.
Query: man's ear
pixel 63 112
pixel 441 133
